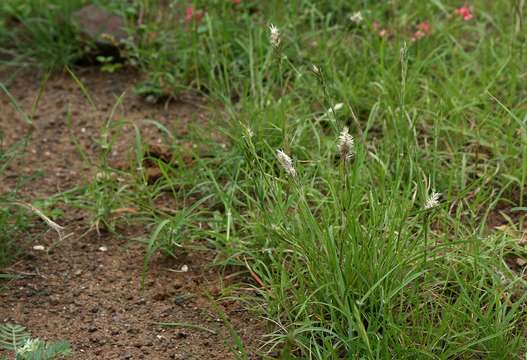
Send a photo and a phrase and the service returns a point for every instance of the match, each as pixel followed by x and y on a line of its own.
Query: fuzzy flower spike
pixel 286 163
pixel 345 145
pixel 275 36
pixel 356 17
pixel 432 201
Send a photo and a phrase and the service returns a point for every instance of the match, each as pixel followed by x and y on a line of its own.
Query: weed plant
pixel 13 220
pixel 374 178
pixel 355 258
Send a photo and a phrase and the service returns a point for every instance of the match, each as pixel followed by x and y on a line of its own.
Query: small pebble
pixel 39 248
pixel 184 268
pixel 141 301
pixel 151 99
pixel 103 249
pixel 180 299
pixel 92 329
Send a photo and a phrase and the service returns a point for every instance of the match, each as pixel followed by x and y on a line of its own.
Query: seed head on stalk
pixel 286 162
pixel 432 201
pixel 345 145
pixel 274 36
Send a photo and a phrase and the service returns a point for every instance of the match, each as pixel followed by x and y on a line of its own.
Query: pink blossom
pixel 423 29
pixel 190 15
pixel 382 32
pixel 465 13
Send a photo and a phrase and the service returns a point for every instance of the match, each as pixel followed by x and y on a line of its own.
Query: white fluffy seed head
pixel 333 110
pixel 338 107
pixel 286 163
pixel 275 36
pixel 248 133
pixel 432 201
pixel 356 17
pixel 345 145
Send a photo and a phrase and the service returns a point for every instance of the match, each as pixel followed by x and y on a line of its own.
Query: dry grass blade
pixel 53 225
pixel 186 325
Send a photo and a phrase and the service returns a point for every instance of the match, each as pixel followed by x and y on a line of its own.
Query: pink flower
pixel 236 2
pixel 465 13
pixel 423 29
pixel 382 32
pixel 190 15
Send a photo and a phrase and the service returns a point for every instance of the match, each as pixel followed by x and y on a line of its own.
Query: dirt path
pixel 90 297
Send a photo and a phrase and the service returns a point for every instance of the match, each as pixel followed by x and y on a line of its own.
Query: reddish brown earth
pixel 92 298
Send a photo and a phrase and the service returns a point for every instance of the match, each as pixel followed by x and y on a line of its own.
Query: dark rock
pixel 92 328
pixel 133 331
pixel 100 25
pixel 181 335
pixel 140 302
pixel 181 299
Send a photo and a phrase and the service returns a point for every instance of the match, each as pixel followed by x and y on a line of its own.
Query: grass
pixel 13 220
pixel 37 32
pixel 350 262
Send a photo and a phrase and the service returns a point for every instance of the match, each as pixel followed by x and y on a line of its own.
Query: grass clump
pixel 356 261
pixel 13 220
pixel 358 256
pixel 374 153
pixel 40 33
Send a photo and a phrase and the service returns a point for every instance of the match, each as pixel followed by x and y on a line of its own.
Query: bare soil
pixel 92 298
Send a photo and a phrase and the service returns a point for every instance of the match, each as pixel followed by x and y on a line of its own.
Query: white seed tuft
pixel 333 110
pixel 275 36
pixel 248 132
pixel 286 163
pixel 432 201
pixel 356 17
pixel 345 145
pixel 338 107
